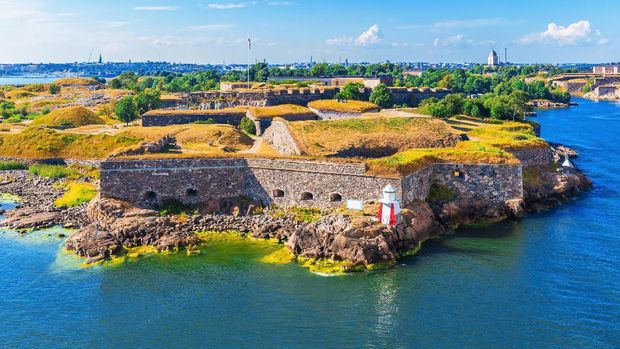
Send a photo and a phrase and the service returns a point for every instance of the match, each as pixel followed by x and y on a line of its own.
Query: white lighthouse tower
pixel 390 206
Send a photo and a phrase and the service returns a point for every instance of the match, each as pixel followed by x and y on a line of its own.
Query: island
pixel 343 174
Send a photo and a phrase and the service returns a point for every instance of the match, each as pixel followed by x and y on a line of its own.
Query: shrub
pixel 12 165
pixel 381 96
pixel 246 125
pixel 204 122
pixel 54 89
pixel 77 193
pixel 351 91
pixel 49 171
pixel 439 193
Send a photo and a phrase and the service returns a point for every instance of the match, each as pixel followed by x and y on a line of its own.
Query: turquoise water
pixel 550 280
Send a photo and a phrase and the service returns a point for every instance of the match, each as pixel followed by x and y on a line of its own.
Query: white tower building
pixel 493 58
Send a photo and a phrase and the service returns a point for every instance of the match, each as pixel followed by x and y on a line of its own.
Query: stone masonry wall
pixel 417 185
pixel 279 136
pixel 212 182
pixel 535 156
pixel 185 118
pixel 491 183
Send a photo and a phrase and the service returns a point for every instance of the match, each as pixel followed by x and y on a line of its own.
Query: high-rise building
pixel 493 58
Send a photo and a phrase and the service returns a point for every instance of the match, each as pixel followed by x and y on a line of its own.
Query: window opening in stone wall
pixel 335 197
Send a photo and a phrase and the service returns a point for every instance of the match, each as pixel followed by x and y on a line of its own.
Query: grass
pixel 508 135
pixel 298 213
pixel 407 162
pixel 371 137
pixel 45 143
pixel 204 138
pixel 77 193
pixel 490 142
pixel 48 102
pixel 279 111
pixel 77 82
pixel 69 118
pixel 18 94
pixel 12 165
pixel 50 171
pixel 350 106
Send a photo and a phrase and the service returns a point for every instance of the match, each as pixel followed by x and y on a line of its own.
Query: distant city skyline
pixel 214 32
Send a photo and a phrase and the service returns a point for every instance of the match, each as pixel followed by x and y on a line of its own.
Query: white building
pixel 493 58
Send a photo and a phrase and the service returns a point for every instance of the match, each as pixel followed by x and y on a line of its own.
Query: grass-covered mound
pixel 282 110
pixel 490 143
pixel 18 94
pixel 350 106
pixel 36 142
pixel 198 138
pixel 84 82
pixel 409 161
pixel 371 137
pixel 69 118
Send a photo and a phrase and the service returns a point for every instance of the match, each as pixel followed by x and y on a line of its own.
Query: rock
pixel 25 218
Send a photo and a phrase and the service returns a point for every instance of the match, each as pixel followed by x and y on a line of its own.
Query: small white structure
pixel 390 206
pixel 567 162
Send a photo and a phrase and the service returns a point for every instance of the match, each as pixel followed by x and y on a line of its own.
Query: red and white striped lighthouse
pixel 390 206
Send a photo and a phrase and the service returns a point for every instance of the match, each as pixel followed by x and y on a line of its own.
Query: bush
pixel 49 171
pixel 351 91
pixel 54 89
pixel 12 165
pixel 247 125
pixel 204 122
pixel 381 96
pixel 77 193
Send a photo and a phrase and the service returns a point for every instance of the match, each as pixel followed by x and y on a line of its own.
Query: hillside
pixel 68 118
pixel 371 137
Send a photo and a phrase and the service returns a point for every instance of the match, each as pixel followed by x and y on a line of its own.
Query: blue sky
pixel 293 30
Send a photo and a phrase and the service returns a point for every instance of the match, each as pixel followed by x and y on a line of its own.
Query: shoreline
pixel 351 242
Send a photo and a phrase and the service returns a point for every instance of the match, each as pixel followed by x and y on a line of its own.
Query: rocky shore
pixel 108 226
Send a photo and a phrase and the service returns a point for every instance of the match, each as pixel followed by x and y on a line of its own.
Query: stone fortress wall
pixel 215 100
pixel 212 182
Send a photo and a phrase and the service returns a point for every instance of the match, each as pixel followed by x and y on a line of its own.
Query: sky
pixel 287 31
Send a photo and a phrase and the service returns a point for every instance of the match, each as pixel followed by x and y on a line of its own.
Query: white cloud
pixel 227 6
pixel 279 3
pixel 372 36
pixel 470 23
pixel 573 34
pixel 155 8
pixel 453 40
pixel 341 40
pixel 210 27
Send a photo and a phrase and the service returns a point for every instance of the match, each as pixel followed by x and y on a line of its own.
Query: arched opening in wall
pixel 278 193
pixel 307 196
pixel 149 196
pixel 191 192
pixel 335 197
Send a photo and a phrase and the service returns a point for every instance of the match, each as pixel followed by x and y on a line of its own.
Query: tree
pixel 381 96
pixel 351 91
pixel 147 100
pixel 126 110
pixel 247 125
pixel 319 69
pixel 54 89
pixel 454 103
